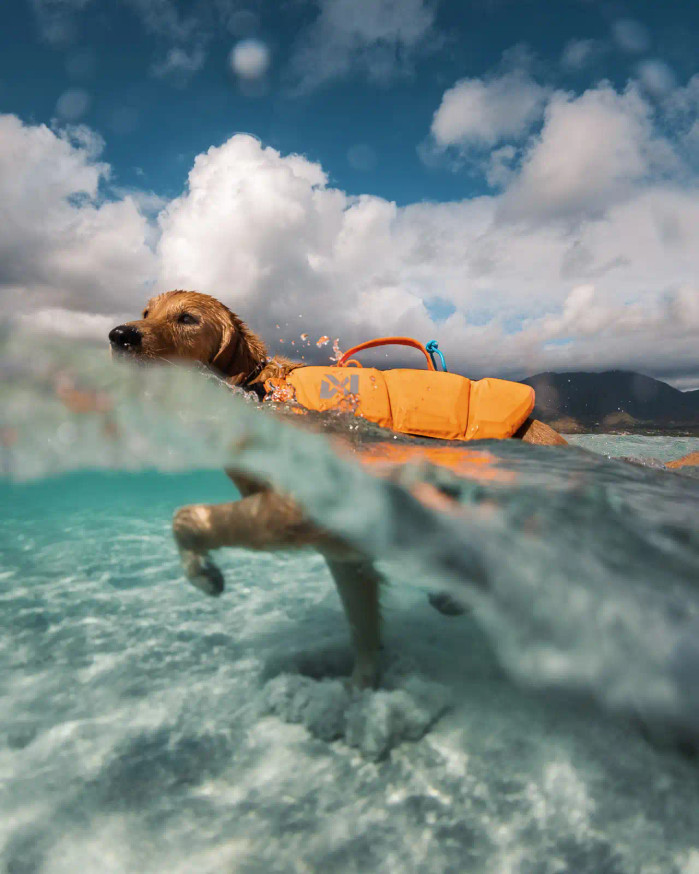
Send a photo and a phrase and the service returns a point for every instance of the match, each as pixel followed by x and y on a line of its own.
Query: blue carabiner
pixel 432 347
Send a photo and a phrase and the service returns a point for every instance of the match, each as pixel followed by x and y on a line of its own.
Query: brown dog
pixel 192 327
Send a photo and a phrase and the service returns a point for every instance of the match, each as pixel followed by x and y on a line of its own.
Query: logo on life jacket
pixel 332 384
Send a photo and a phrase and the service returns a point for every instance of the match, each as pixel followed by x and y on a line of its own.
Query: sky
pixel 517 179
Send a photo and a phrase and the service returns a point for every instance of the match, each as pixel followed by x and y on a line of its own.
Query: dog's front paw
pixel 202 572
pixel 364 676
pixel 446 604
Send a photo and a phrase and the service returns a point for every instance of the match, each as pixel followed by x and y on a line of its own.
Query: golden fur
pixel 218 338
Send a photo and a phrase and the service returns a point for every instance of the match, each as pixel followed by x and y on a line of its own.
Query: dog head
pixel 187 326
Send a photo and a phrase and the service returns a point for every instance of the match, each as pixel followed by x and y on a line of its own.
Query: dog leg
pixel 263 520
pixel 534 431
pixel 358 584
pixel 266 520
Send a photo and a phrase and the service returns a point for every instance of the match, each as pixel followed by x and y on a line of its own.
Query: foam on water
pixel 147 728
pixel 645 449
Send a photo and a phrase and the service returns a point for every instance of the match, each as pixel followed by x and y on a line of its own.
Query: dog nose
pixel 125 337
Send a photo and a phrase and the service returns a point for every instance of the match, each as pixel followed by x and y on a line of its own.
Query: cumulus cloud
pixel 680 108
pixel 378 39
pixel 592 151
pixel 589 256
pixel 66 323
pixel 684 102
pixel 483 112
pixel 556 155
pixel 268 235
pixel 62 243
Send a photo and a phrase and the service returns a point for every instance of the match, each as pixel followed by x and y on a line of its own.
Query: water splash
pixel 147 728
pixel 582 570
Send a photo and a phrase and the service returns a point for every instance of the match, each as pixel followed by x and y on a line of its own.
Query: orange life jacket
pixel 425 403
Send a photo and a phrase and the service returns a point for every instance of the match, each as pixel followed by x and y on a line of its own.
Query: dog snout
pixel 125 337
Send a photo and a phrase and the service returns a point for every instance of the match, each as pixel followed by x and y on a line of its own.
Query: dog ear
pixel 223 359
pixel 240 349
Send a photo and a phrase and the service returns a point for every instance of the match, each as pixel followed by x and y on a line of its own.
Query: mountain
pixel 614 398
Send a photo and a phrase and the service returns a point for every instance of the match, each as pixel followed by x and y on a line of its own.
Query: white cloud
pixel 61 242
pixel 683 102
pixel 593 151
pixel 378 39
pixel 265 233
pixel 599 269
pixel 483 112
pixel 66 323
pixel 501 167
pixel 681 111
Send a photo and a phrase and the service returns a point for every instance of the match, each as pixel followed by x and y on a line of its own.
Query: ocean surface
pixel 552 727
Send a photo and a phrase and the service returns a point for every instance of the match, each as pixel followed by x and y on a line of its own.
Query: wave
pixel 583 570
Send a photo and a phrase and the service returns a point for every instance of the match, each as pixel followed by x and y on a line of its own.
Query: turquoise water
pixel 144 727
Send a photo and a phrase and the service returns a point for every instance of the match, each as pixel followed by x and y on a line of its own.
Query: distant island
pixel 613 401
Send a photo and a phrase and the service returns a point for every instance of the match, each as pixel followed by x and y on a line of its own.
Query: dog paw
pixel 446 604
pixel 364 676
pixel 202 572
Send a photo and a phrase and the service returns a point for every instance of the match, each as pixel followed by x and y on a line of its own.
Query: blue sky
pixel 434 126
pixel 154 125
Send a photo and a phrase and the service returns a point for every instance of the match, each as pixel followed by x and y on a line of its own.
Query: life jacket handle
pixel 388 341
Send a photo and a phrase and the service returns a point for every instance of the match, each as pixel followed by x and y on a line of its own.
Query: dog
pixel 186 326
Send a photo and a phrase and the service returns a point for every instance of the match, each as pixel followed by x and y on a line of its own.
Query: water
pixel 144 727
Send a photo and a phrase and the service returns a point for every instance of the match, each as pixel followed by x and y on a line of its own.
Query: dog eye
pixel 187 319
pixel 145 314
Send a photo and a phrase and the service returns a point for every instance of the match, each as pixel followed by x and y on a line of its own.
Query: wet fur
pixel 220 340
